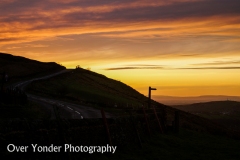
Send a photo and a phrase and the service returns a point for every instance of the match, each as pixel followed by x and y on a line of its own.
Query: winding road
pixel 74 111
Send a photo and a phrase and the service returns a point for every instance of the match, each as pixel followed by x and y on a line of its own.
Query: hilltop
pixel 18 67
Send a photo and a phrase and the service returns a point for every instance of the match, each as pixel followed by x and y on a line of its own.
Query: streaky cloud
pixel 150 65
pixel 219 63
pixel 189 55
pixel 169 68
pixel 199 68
pixel 127 68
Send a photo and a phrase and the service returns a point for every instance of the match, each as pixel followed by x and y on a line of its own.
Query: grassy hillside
pixel 87 87
pixel 18 67
pixel 225 112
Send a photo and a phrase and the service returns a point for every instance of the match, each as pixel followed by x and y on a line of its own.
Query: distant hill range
pixel 171 100
pixel 214 106
pixel 226 112
pixel 18 67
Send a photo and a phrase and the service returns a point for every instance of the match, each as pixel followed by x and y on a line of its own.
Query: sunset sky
pixel 181 47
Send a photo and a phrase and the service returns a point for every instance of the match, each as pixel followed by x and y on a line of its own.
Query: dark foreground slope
pixel 169 146
pixel 18 67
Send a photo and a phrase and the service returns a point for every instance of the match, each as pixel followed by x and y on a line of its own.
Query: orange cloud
pixel 122 19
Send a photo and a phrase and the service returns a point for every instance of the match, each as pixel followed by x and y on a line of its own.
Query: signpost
pixel 149 96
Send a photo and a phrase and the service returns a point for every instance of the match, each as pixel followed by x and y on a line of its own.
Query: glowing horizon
pixel 181 47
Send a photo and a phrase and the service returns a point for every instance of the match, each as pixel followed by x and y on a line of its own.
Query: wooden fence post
pixel 159 123
pixel 106 127
pixel 135 129
pixel 176 122
pixel 61 131
pixel 146 120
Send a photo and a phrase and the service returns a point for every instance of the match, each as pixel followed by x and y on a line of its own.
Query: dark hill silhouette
pixel 18 67
pixel 226 113
pixel 171 100
pixel 214 106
